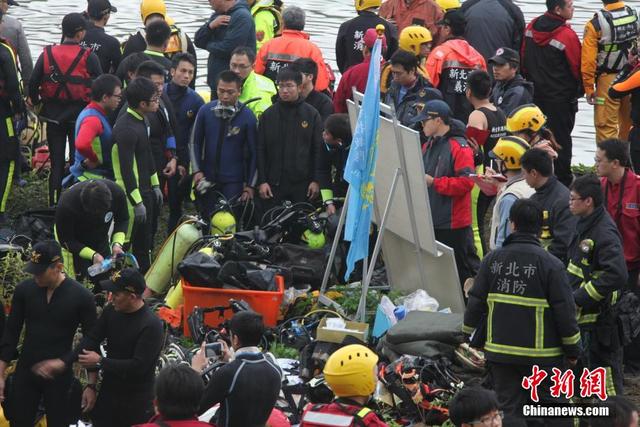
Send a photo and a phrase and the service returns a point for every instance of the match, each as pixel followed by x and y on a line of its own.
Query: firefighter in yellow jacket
pixel 608 36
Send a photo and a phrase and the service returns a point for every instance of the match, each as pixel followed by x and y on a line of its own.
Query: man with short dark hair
pixel 63 93
pixel 249 376
pixel 475 405
pixel 318 100
pixel 185 103
pixel 231 25
pixel 409 89
pixel 448 162
pixel 551 61
pixel 178 392
pixel 621 187
pixel 134 167
pixel 337 138
pixel 105 46
pixel 84 217
pixel 157 37
pixel 223 147
pixel 510 90
pixel 51 306
pixel 292 162
pixel 449 64
pixel 597 272
pixel 520 280
pixel 93 131
pixel 257 90
pixel 134 340
pixel 558 224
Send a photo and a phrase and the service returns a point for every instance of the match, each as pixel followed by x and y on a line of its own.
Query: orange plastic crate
pixel 265 303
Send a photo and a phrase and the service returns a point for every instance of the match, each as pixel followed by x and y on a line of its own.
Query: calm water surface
pixel 42 18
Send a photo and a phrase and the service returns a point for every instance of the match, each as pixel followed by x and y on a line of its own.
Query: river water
pixel 41 20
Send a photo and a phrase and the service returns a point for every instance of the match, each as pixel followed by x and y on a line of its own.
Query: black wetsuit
pixel 105 46
pixel 134 342
pixel 251 377
pixel 81 234
pixel 131 144
pixel 10 104
pixel 50 327
pixel 157 57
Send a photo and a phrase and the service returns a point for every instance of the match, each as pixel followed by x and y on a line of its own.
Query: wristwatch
pixel 99 364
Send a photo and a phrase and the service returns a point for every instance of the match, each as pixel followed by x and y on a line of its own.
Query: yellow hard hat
pixel 510 150
pixel 412 37
pixel 350 371
pixel 526 117
pixel 367 4
pixel 151 7
pixel 223 222
pixel 446 5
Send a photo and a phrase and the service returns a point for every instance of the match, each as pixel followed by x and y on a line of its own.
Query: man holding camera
pixel 249 376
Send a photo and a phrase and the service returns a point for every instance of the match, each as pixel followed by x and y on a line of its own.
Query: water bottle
pixel 97 269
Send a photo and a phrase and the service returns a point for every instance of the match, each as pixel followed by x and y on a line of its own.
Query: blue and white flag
pixel 360 169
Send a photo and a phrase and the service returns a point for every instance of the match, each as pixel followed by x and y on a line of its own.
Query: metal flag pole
pixel 362 308
pixel 334 244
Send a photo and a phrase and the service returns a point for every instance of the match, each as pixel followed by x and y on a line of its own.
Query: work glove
pixel 159 196
pixel 140 213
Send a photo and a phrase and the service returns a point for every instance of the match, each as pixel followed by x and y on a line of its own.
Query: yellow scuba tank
pixel 171 253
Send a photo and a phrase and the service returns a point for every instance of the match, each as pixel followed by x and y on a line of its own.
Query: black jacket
pixel 105 46
pixel 290 145
pixel 597 268
pixel 522 283
pixel 509 95
pixel 553 197
pixel 322 103
pixel 349 42
pixel 417 96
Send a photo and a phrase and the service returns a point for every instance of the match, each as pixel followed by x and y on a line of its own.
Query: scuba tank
pixel 173 250
pixel 222 221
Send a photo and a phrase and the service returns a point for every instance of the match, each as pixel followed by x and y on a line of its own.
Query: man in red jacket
pixel 448 162
pixel 621 188
pixel 551 54
pixel 356 76
pixel 412 12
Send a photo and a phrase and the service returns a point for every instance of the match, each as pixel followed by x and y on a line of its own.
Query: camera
pixel 213 350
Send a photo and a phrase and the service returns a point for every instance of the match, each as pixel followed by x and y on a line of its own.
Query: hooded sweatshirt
pixel 551 59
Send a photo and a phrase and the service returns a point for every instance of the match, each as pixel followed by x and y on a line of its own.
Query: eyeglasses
pixel 489 419
pixel 573 199
pixel 154 100
pixel 118 96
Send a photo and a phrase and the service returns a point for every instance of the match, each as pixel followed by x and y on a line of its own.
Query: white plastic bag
pixel 419 300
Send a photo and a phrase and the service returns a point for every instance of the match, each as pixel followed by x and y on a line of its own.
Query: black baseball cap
pixel 72 23
pixel 433 109
pixel 42 256
pixel 98 8
pixel 453 18
pixel 127 279
pixel 504 55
